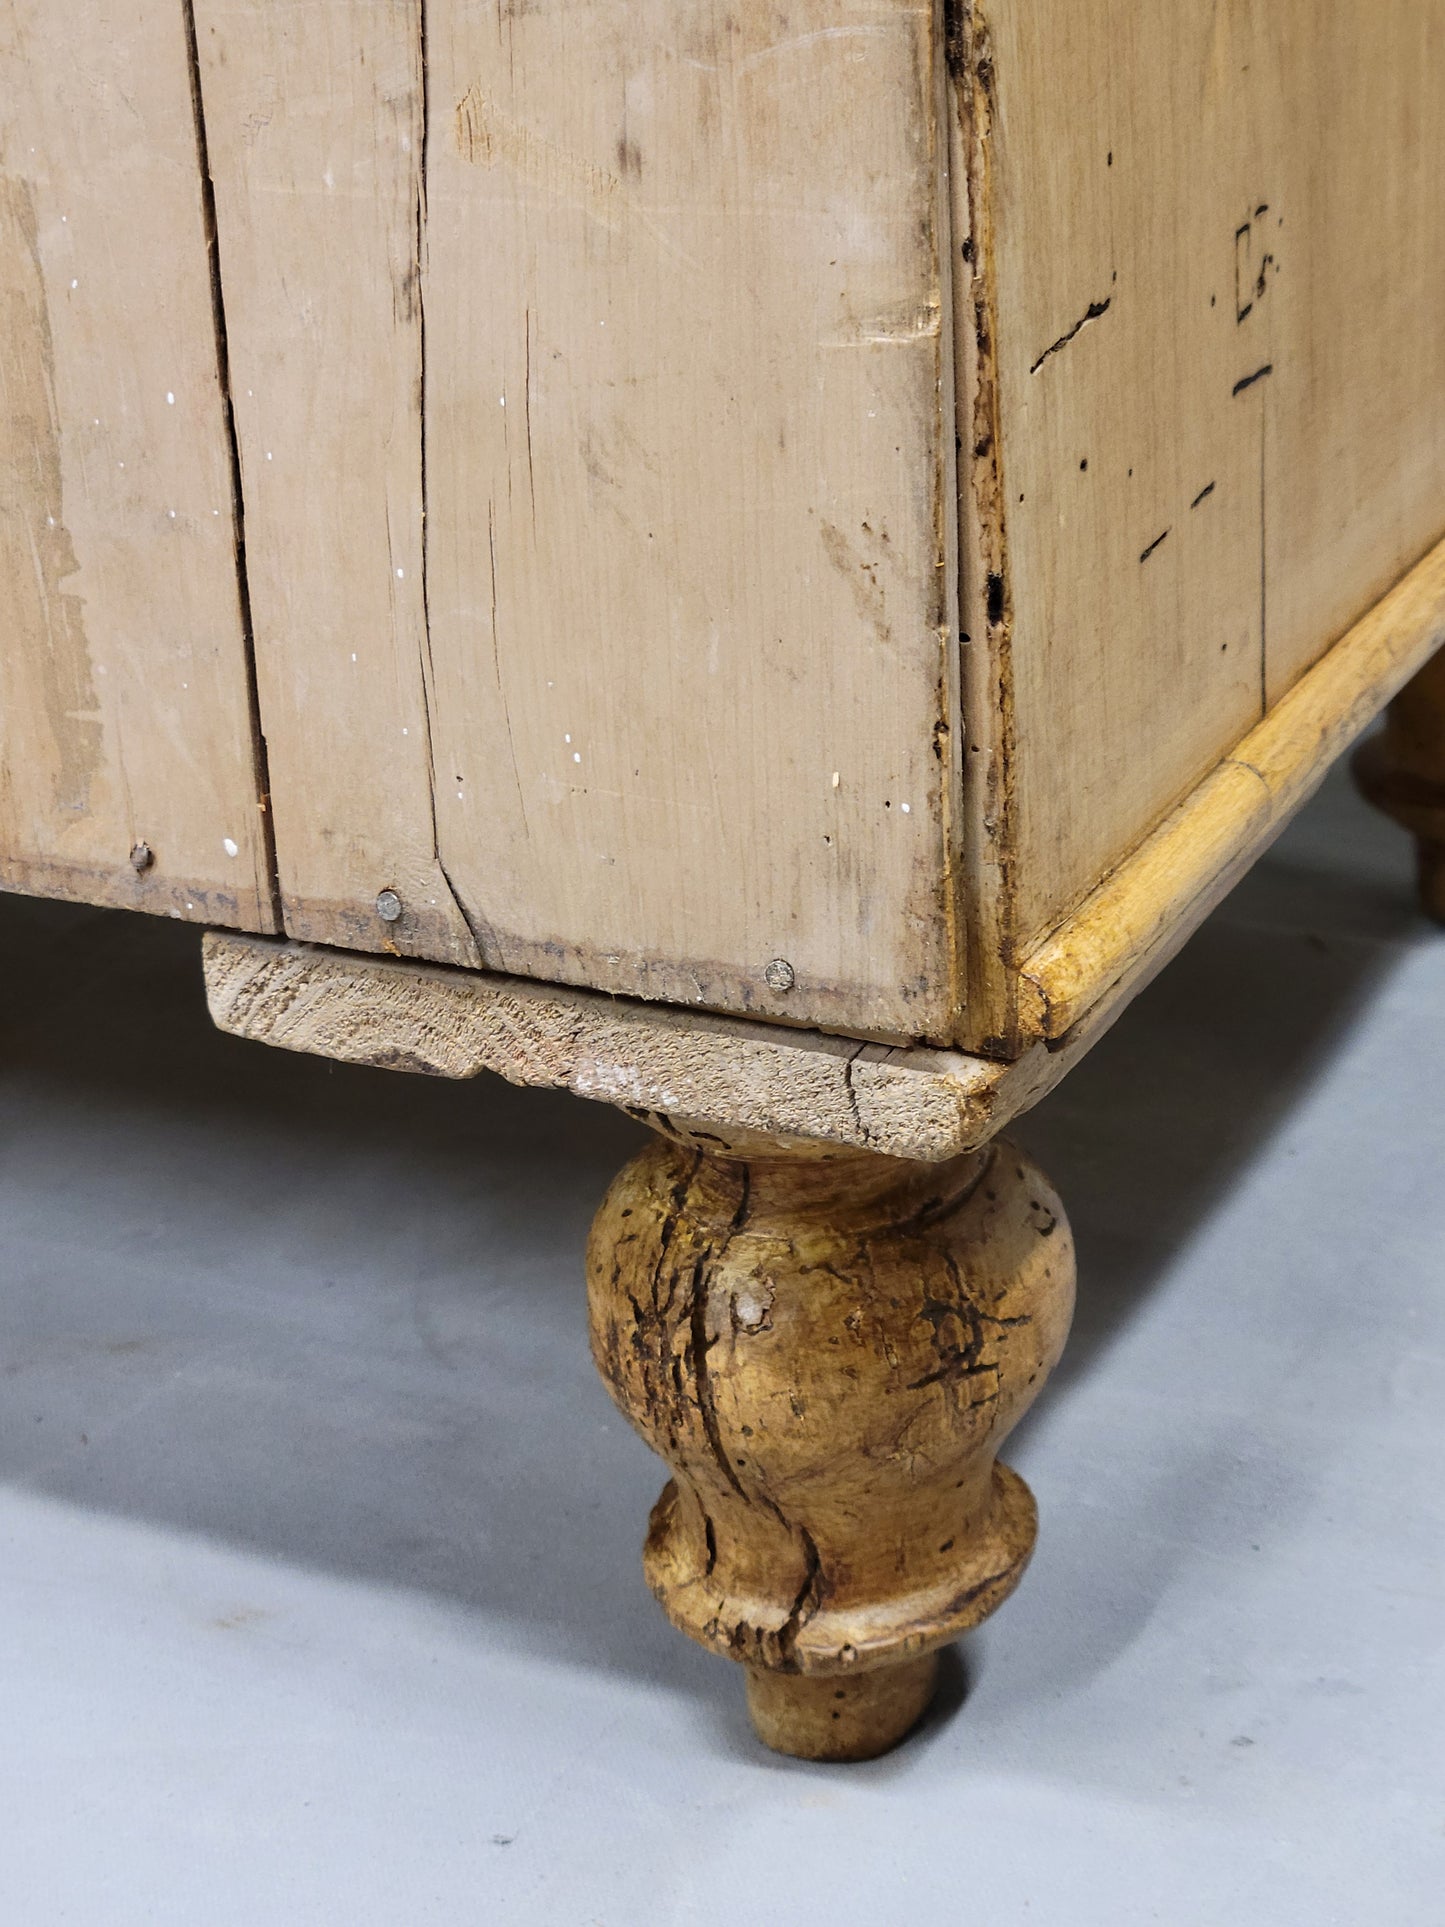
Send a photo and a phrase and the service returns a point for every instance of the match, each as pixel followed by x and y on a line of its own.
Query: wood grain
pixel 686 476
pixel 912 1103
pixel 667 356
pixel 315 123
pixel 1208 243
pixel 124 689
pixel 726 1073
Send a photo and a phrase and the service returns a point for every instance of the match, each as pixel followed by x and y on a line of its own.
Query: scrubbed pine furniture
pixel 766 565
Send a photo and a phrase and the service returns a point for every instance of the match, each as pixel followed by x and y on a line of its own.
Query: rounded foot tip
pixel 841 1716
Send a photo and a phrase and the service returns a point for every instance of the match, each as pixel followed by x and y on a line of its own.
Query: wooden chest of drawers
pixel 766 564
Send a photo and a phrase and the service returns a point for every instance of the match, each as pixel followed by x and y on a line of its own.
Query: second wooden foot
pixel 1402 772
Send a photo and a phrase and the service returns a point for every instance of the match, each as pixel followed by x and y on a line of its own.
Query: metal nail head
pixel 388 906
pixel 779 975
pixel 141 858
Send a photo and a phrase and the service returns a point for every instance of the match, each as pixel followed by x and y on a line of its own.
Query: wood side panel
pixel 1221 430
pixel 1355 407
pixel 1124 143
pixel 125 707
pixel 687 379
pixel 315 114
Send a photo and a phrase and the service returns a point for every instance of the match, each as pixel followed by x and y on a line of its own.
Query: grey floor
pixel 319 1587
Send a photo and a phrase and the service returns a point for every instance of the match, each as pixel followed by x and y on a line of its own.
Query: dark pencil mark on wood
pixel 1154 545
pixel 1249 380
pixel 1242 308
pixel 1092 313
pixel 1203 495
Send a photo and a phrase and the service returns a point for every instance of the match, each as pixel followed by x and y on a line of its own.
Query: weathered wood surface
pixel 828 1351
pixel 1148 907
pixel 315 126
pixel 647 300
pixel 1203 379
pixel 729 1073
pixel 923 1104
pixel 124 692
pixel 606 599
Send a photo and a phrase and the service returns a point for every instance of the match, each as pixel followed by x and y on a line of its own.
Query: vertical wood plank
pixel 689 583
pixel 124 695
pixel 1349 253
pixel 1124 142
pixel 315 117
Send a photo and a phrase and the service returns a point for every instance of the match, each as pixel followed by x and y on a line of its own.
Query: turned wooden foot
pixel 827 1348
pixel 1402 771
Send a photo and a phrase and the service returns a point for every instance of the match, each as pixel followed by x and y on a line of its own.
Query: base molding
pixel 727 1074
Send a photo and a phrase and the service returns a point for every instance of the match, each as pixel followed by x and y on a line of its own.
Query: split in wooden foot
pixel 827 1347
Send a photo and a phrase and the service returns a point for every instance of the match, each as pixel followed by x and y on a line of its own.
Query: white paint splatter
pixel 230 846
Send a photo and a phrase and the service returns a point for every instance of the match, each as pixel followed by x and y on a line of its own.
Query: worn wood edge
pixel 1143 912
pixel 152 891
pixel 986 1016
pixel 719 1072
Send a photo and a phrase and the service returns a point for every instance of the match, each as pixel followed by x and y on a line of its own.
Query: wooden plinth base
pixel 1402 772
pixel 827 1347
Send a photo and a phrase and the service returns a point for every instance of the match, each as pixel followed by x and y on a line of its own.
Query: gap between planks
pixel 259 755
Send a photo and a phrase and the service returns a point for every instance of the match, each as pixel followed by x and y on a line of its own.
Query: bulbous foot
pixel 827 1347
pixel 1402 772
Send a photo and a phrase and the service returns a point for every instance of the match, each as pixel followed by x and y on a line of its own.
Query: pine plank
pixel 315 115
pixel 124 687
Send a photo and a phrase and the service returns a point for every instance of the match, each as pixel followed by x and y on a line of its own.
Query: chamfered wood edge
pixel 1142 913
pixel 720 1072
